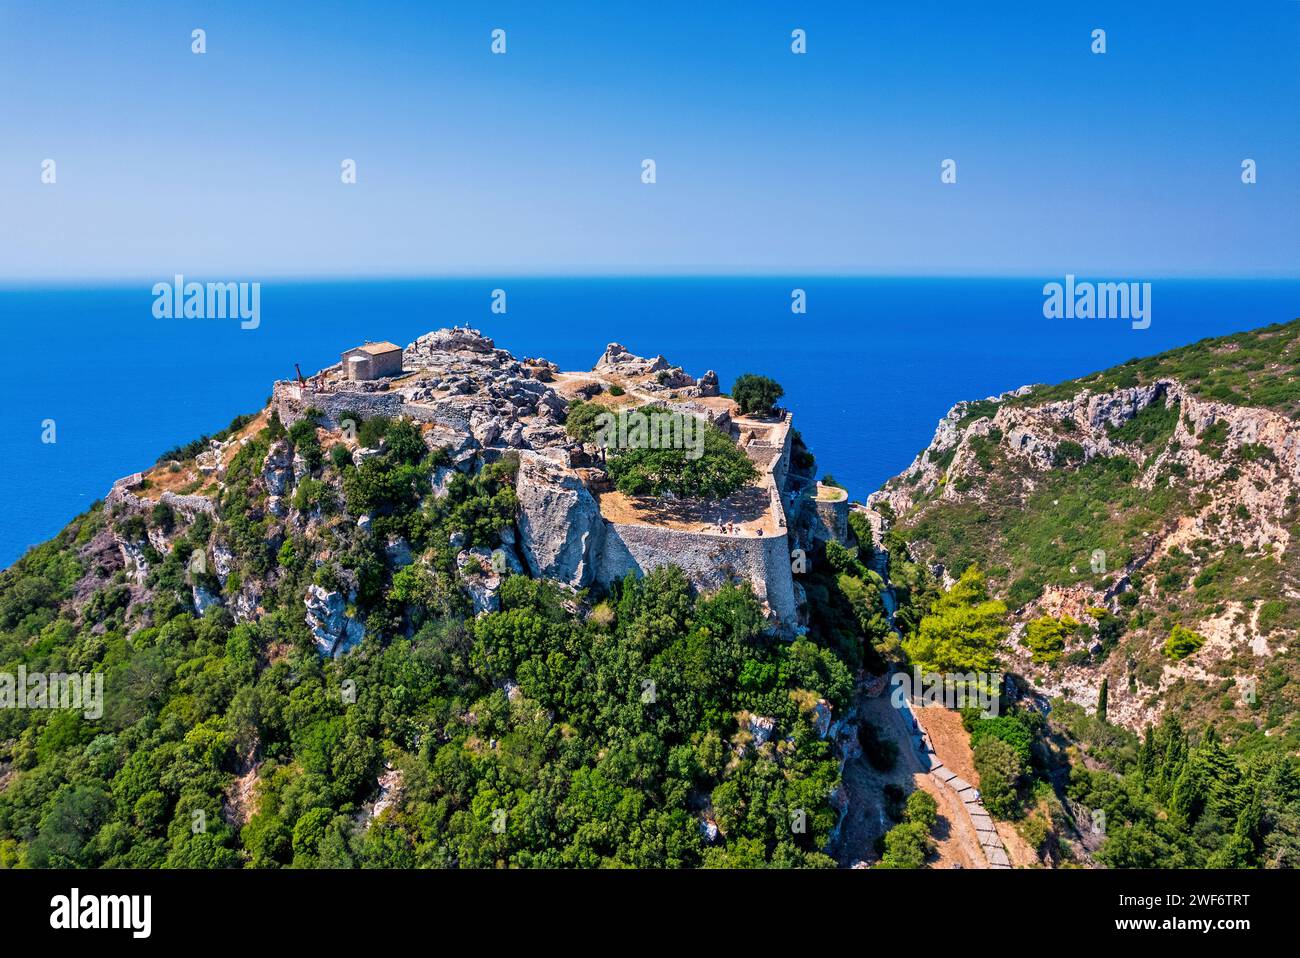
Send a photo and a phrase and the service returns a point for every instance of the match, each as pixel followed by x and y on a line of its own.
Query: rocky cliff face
pixel 290 497
pixel 561 532
pixel 1142 507
pixel 1043 438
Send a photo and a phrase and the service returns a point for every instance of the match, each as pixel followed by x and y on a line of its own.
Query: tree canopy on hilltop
pixel 756 394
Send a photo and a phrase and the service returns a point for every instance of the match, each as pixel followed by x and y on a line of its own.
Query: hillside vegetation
pixel 1254 368
pixel 1142 525
pixel 480 717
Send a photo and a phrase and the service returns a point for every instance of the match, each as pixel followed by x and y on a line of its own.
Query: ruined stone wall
pixel 782 467
pixel 710 561
pixel 291 401
pixel 830 520
pixel 122 494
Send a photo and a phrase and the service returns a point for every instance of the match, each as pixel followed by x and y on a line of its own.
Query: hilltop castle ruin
pixel 480 402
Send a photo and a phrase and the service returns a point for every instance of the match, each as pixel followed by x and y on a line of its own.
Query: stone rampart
pixel 710 562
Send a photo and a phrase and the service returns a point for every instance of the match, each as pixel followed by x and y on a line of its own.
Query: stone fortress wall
pixel 825 515
pixel 712 559
pixel 480 403
pixel 292 401
pixel 566 531
pixel 123 493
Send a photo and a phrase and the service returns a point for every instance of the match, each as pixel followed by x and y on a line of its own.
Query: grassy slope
pixel 1259 367
pixel 1035 530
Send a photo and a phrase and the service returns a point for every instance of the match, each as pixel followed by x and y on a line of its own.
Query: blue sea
pixel 868 370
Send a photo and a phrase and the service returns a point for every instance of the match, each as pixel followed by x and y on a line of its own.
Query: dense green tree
pixel 908 844
pixel 711 466
pixel 756 394
pixel 962 631
pixel 999 768
pixel 1045 636
pixel 1182 642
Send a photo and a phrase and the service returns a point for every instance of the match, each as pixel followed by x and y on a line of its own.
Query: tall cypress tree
pixel 1147 757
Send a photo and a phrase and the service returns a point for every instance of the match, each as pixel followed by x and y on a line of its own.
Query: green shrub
pixel 756 394
pixel 1045 637
pixel 369 432
pixel 1213 438
pixel 908 844
pixel 1023 591
pixel 162 517
pixel 1182 642
pixel 1256 452
pixel 340 456
pixel 1272 614
pixel 303 436
pixel 583 419
pixel 1068 453
pixel 1151 427
pixel 922 809
pixel 1008 728
pixel 720 468
pixel 1000 767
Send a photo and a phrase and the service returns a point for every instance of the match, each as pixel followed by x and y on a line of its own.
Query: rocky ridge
pixel 474 403
pixel 1230 475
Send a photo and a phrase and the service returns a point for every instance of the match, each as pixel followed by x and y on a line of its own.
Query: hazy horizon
pixel 504 275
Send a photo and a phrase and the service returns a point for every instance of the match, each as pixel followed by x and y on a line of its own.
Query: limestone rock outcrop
pixel 277 468
pixel 333 629
pixel 618 360
pixel 481 577
pixel 560 527
pixel 1231 475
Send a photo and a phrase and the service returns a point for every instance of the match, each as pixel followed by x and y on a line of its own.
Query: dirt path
pixel 956 843
pixel 962 837
pixel 1019 851
pixel 950 740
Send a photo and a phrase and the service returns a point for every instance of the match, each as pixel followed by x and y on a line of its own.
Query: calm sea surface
pixel 868 370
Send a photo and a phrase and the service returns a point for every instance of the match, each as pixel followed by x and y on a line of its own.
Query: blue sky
pixel 226 165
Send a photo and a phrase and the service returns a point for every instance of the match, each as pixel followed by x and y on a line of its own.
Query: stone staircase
pixel 995 852
pixel 990 842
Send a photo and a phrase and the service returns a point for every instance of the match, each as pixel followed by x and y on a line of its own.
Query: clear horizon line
pixel 613 274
